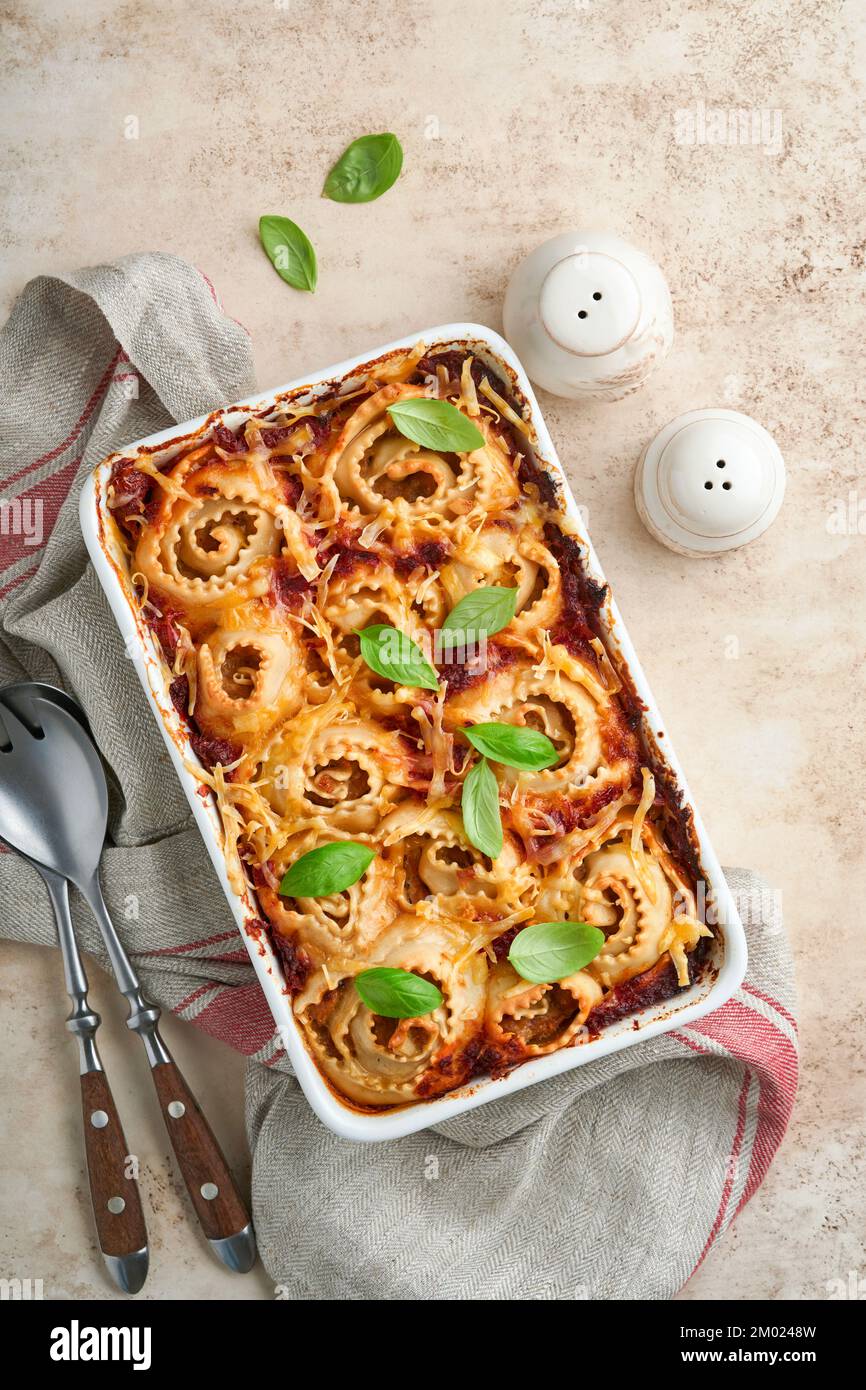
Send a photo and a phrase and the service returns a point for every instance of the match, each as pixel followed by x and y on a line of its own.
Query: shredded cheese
pixel 165 481
pixel 636 849
pixel 468 394
pixel 612 682
pixel 439 744
pixel 401 368
pixel 144 603
pixel 503 408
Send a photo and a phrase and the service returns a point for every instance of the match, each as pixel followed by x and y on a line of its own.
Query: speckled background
pixel 518 121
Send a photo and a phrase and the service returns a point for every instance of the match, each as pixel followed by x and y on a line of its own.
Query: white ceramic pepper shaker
pixel 589 315
pixel 710 481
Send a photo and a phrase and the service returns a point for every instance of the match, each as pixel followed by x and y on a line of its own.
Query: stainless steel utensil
pixel 53 810
pixel 116 1200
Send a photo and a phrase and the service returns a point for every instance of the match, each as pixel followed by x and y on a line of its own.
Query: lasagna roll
pixel 376 1060
pixel 530 1019
pixel 369 596
pixel 376 468
pixel 631 889
pixel 433 858
pixel 345 775
pixel 515 557
pixel 217 531
pixel 249 678
pixel 574 710
pixel 344 925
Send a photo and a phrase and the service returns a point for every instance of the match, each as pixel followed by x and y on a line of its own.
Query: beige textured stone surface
pixel 518 121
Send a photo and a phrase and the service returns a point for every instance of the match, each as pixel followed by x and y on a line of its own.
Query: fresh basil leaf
pixel 480 806
pixel 436 425
pixel 290 252
pixel 550 951
pixel 397 993
pixel 366 170
pixel 390 653
pixel 515 747
pixel 328 869
pixel 483 611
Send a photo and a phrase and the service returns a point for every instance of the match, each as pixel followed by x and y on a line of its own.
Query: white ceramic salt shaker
pixel 710 481
pixel 588 315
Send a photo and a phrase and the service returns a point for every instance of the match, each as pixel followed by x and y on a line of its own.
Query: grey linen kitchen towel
pixel 612 1181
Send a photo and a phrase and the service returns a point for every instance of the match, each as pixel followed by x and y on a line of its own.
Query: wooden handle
pixel 116 1201
pixel 210 1185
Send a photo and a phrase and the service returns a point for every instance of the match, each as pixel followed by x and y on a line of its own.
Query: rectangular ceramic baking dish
pixel 726 966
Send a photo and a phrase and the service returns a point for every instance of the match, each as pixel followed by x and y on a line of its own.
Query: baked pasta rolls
pixel 428 763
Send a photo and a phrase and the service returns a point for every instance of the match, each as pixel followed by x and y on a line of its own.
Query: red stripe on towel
pixel 48 496
pixel 239 1015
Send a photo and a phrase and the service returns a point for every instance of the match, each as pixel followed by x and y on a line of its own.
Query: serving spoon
pixel 54 811
pixel 116 1200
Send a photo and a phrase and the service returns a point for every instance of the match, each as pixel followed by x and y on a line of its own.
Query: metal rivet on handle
pixel 176 1109
pixel 99 1119
pixel 116 1205
pixel 209 1190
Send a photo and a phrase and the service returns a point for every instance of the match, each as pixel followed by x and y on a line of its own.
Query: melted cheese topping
pixel 265 552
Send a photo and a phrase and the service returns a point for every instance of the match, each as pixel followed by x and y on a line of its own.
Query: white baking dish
pixel 727 964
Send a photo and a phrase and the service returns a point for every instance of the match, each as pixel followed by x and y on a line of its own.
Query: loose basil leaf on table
pixel 290 252
pixel 397 993
pixel 327 869
pixel 365 170
pixel 484 611
pixel 480 806
pixel 436 425
pixel 527 749
pixel 550 951
pixel 390 653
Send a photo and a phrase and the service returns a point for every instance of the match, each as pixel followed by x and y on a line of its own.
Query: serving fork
pixel 53 812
